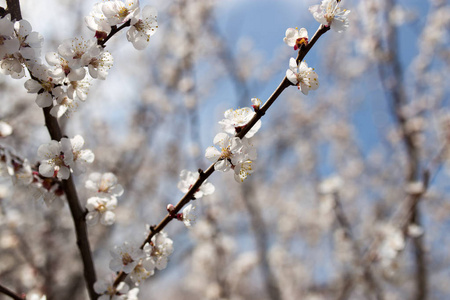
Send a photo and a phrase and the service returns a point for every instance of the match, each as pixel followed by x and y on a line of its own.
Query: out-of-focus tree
pixel 348 196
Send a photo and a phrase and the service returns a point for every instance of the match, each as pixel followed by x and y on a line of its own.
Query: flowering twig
pixel 69 188
pixel 203 175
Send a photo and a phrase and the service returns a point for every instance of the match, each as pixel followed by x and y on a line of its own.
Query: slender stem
pixel 114 30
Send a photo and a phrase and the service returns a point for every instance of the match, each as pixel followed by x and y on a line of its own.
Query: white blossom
pixel 30 41
pixel 144 269
pixel 78 90
pixel 140 32
pixel 302 76
pixel 328 13
pixel 189 215
pixel 188 179
pixel 160 249
pixel 63 103
pixel 296 37
pixel 101 208
pixel 104 184
pixel 125 257
pixel 98 61
pixel 96 21
pixel 243 170
pixel 9 43
pixel 235 120
pixel 62 69
pixel 74 49
pixel 43 86
pixel 118 12
pixel 106 290
pixel 256 103
pixel 19 46
pixel 229 154
pixel 75 156
pixel 53 162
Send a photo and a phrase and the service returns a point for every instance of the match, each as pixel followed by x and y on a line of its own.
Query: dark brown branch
pixel 10 293
pixel 68 187
pixel 78 214
pixel 13 8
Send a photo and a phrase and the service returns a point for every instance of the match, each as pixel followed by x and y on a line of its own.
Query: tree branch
pixel 303 50
pixel 13 7
pixel 78 214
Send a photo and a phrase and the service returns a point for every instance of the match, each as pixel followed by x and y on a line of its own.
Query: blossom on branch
pixel 243 170
pixel 256 103
pixel 144 269
pixel 75 156
pixel 19 46
pixel 101 208
pixel 106 290
pixel 229 154
pixel 302 76
pixel 140 32
pixel 188 179
pixel 296 37
pixel 188 215
pixel 96 21
pixel 328 13
pixel 125 258
pixel 104 184
pixel 160 248
pixel 118 12
pixel 42 84
pixel 98 61
pixel 236 120
pixel 53 163
pixel 62 68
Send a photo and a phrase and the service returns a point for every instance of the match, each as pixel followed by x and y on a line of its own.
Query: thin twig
pixel 10 293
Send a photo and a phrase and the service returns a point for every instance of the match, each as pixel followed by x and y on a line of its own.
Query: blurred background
pixel 349 198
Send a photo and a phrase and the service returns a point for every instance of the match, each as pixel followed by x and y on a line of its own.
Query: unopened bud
pixel 170 208
pixel 256 103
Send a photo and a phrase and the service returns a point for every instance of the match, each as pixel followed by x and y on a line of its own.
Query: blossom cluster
pixel 60 159
pixel 329 14
pixel 235 153
pixel 101 205
pixel 64 80
pixel 106 15
pixel 138 263
pixel 19 46
pixel 22 173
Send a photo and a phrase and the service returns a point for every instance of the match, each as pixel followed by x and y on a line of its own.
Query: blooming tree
pixel 315 208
